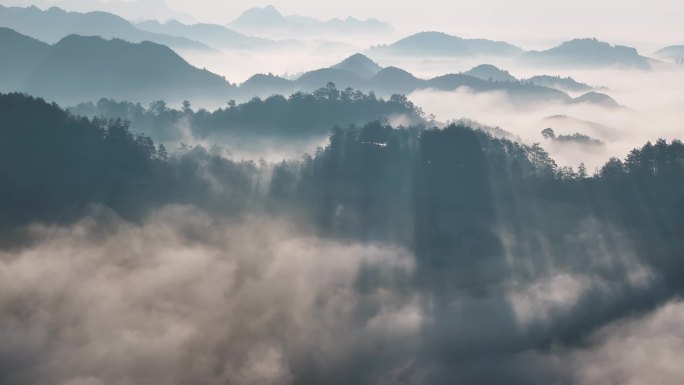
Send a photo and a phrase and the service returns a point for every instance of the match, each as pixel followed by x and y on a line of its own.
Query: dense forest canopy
pixel 365 183
pixel 476 212
pixel 299 116
pixel 370 170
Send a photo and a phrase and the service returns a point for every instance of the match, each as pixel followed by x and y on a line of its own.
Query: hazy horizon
pixel 646 25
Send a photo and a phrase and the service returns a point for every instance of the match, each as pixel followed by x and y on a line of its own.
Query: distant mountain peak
pixel 359 56
pixel 591 43
pixel 360 65
pixel 266 15
pixel 271 8
pixel 597 98
pixel 268 20
pixel 487 67
pixel 433 33
pixel 490 72
pixel 395 74
pixel 673 52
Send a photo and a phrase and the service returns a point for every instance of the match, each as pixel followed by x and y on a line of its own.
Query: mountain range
pixel 213 35
pixel 492 73
pixel 269 21
pixel 54 23
pixel 577 53
pixel 361 73
pixel 79 68
pixel 131 10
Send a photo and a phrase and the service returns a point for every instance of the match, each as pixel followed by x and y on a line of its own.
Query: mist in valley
pixel 290 194
pixel 652 110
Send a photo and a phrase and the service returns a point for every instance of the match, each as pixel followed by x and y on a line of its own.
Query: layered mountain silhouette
pixel 673 52
pixel 588 53
pixel 490 72
pixel 78 68
pixel 442 44
pixel 131 10
pixel 213 35
pixel 269 21
pixel 53 24
pixel 355 72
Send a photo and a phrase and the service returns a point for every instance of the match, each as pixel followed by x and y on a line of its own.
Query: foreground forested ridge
pixel 55 164
pixel 478 213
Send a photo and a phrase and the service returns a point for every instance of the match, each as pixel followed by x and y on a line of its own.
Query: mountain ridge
pixel 441 44
pixel 80 68
pixel 213 35
pixel 588 53
pixel 53 24
pixel 268 20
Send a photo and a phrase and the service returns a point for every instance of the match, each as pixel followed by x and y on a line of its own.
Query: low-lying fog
pixel 182 298
pixel 653 100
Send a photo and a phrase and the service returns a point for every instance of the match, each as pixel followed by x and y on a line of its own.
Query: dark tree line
pixel 299 116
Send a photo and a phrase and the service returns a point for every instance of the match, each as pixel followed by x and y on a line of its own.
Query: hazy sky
pixel 635 21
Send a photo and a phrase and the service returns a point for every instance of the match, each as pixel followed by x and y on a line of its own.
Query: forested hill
pixel 46 149
pixel 299 116
pixel 452 196
pixel 55 165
